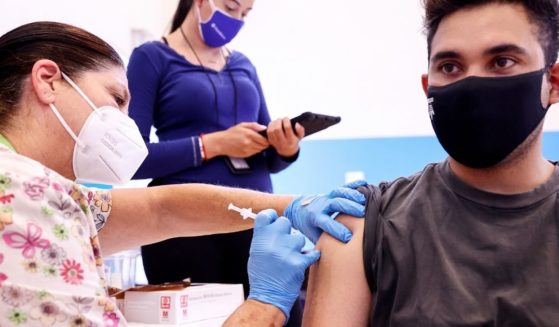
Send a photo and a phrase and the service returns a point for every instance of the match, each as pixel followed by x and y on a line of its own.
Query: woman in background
pixel 207 105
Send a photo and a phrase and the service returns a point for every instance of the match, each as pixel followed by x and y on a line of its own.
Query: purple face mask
pixel 220 28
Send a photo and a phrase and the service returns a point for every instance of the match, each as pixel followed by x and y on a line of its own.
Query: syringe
pixel 247 213
pixel 244 212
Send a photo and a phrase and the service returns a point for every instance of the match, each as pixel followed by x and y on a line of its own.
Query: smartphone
pixel 311 122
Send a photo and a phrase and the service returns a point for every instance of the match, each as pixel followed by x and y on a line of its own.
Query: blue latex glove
pixel 276 267
pixel 313 214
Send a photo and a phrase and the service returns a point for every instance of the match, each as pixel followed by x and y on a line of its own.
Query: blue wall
pixel 323 163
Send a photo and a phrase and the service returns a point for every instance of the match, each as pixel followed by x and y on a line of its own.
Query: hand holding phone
pixel 312 122
pixel 284 137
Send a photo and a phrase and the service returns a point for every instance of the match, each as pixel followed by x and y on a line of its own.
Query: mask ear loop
pixel 212 5
pixel 214 9
pixel 80 92
pixel 65 125
pixel 61 119
pixel 199 15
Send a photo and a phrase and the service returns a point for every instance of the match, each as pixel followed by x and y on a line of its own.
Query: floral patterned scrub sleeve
pixel 51 270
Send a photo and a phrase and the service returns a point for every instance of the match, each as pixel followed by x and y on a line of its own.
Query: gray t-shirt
pixel 438 252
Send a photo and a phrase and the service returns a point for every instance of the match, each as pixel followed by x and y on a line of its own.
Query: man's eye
pixel 502 63
pixel 448 68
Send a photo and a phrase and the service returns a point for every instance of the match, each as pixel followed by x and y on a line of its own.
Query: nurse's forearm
pixel 254 313
pixel 149 215
pixel 202 209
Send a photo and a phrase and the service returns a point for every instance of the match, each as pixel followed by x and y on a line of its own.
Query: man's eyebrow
pixel 445 55
pixel 505 48
pixel 501 48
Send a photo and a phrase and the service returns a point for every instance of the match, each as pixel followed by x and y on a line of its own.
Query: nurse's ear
pixel 45 80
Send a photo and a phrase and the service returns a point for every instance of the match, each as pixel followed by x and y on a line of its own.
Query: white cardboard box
pixel 218 322
pixel 194 303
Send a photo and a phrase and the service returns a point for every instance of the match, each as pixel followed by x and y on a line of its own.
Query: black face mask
pixel 479 121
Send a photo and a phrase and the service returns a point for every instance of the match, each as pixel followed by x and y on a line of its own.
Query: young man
pixel 474 240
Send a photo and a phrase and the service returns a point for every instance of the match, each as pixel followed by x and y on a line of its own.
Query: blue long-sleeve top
pixel 177 98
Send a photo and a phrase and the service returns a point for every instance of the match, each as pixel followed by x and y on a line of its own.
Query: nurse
pixel 63 99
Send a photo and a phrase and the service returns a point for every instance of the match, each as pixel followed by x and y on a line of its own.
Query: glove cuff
pixel 289 209
pixel 281 303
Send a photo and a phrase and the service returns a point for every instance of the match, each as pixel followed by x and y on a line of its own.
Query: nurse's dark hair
pixel 543 13
pixel 180 14
pixel 73 49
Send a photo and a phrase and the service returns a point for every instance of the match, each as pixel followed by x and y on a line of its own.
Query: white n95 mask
pixel 109 148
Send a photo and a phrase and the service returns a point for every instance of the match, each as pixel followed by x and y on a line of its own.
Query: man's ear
pixel 424 82
pixel 554 82
pixel 45 76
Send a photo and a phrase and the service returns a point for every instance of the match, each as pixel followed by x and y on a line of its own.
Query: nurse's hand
pixel 283 138
pixel 313 214
pixel 276 267
pixel 241 141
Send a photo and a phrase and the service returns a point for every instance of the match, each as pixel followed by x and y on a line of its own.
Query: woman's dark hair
pixel 73 49
pixel 543 13
pixel 180 14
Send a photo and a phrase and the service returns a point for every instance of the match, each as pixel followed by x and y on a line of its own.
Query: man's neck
pixel 522 176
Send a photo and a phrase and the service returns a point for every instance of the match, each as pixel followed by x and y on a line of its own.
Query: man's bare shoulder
pixel 338 294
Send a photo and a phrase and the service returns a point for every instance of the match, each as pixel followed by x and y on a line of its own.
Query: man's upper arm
pixel 338 293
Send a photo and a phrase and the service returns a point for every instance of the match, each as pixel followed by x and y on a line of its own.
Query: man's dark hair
pixel 543 13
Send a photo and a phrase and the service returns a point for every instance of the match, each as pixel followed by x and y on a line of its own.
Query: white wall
pixel 111 20
pixel 359 59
